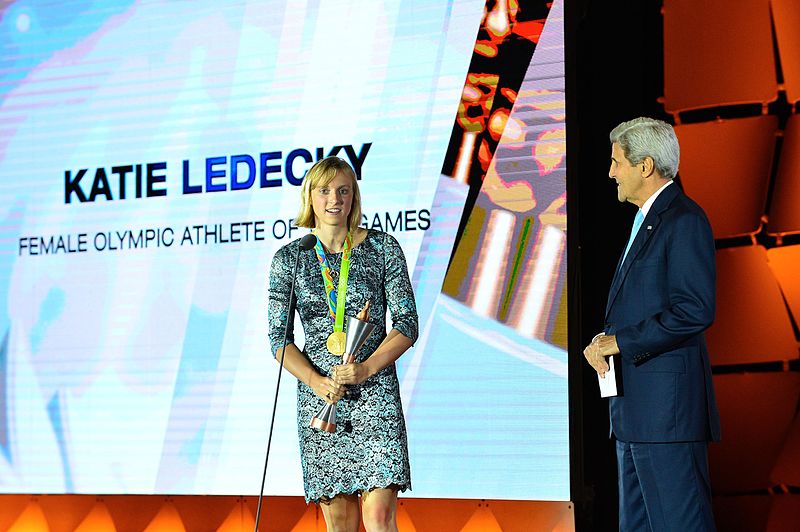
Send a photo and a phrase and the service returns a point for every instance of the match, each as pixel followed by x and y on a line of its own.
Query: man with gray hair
pixel 661 300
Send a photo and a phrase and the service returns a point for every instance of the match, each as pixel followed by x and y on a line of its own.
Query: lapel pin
pixel 649 227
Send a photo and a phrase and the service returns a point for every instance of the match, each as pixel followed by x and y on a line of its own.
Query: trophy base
pixel 321 424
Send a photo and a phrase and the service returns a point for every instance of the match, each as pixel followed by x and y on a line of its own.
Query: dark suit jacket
pixel 661 300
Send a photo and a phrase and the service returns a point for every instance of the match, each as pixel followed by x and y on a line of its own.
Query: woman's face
pixel 332 202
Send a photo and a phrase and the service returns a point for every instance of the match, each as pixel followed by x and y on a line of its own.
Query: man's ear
pixel 647 166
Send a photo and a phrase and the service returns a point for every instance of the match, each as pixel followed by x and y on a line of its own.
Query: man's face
pixel 630 183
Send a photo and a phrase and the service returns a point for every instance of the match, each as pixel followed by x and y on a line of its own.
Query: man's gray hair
pixel 647 137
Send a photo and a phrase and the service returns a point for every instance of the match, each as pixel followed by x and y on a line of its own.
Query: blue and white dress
pixel 369 448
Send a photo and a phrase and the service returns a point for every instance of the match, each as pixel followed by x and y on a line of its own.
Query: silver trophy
pixel 357 333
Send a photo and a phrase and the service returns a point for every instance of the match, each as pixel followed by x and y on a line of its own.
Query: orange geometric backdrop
pixel 153 513
pixel 732 90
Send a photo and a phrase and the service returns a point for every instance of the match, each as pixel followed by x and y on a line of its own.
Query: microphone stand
pixel 306 243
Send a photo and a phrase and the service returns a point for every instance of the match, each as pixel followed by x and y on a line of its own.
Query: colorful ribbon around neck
pixel 335 299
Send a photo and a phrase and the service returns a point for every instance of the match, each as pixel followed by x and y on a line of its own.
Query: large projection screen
pixel 151 154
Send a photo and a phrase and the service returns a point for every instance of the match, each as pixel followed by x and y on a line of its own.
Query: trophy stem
pixel 325 419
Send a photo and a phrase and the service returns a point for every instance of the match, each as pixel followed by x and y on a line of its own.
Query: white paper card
pixel 608 384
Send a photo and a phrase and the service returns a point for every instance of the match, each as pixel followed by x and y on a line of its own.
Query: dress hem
pixel 401 488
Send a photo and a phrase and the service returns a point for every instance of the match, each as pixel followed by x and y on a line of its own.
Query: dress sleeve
pixel 280 276
pixel 399 293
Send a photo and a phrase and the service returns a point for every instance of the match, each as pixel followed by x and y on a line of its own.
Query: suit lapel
pixel 648 228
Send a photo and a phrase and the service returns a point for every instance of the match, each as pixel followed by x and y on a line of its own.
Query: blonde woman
pixel 367 454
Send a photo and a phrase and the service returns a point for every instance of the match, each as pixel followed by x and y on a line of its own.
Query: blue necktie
pixel 637 223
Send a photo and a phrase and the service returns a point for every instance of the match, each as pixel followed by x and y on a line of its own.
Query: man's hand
pixel 602 346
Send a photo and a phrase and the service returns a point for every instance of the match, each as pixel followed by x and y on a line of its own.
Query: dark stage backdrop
pixel 615 73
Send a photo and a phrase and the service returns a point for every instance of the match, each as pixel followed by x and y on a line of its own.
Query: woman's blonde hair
pixel 322 173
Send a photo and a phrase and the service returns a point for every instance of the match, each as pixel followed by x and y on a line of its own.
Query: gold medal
pixel 336 343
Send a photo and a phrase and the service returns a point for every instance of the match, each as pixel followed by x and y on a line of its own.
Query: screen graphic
pixel 151 157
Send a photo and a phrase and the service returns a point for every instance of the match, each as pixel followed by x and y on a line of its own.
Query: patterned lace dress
pixel 369 448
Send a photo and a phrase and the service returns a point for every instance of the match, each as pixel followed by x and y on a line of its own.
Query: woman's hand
pixel 354 373
pixel 326 388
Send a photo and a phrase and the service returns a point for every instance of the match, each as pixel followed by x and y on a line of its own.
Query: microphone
pixel 306 243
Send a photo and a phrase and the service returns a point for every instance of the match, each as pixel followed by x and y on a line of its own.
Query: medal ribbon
pixel 335 299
